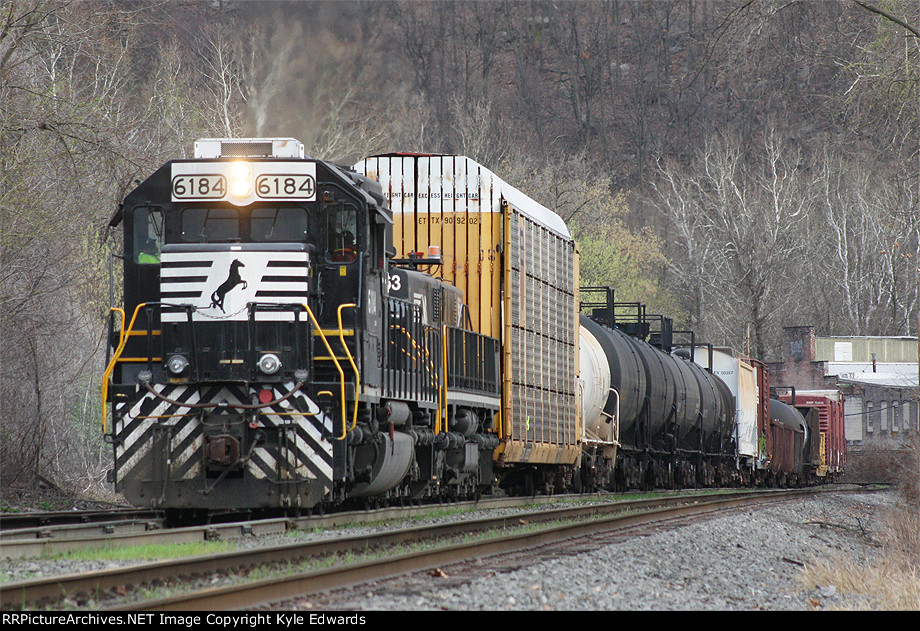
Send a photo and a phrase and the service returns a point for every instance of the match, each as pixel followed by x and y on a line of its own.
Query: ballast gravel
pixel 750 559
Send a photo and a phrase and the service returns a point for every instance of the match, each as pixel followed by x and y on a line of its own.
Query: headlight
pixel 269 363
pixel 240 171
pixel 239 184
pixel 240 188
pixel 177 364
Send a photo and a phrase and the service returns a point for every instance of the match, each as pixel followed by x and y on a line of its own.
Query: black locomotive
pixel 269 354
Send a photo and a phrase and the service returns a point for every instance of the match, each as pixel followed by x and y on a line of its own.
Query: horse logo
pixel 234 279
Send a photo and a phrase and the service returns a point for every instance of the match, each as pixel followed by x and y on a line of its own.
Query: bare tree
pixel 612 253
pixel 75 122
pixel 867 245
pixel 222 71
pixel 737 237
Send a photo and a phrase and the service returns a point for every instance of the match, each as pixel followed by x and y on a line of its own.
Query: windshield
pixel 278 224
pixel 262 224
pixel 208 225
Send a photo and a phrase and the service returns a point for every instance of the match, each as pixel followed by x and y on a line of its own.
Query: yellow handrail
pixel 122 340
pixel 435 375
pixel 125 334
pixel 338 367
pixel 354 420
pixel 442 425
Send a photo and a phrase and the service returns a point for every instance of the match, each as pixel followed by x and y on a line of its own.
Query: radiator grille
pixel 245 149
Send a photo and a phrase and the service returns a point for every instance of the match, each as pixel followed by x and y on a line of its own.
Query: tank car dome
pixel 787 415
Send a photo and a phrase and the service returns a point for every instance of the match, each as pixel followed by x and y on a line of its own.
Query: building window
pixel 870 419
pixel 895 412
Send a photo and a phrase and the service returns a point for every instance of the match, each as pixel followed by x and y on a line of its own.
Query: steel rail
pixel 13 521
pixel 27 543
pixel 26 593
pixel 17 543
pixel 270 590
pixel 28 548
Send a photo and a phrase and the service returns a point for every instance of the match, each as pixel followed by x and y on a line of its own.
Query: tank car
pixel 676 420
pixel 786 444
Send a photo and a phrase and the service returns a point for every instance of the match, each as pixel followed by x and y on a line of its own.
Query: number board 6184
pixel 286 186
pixel 199 186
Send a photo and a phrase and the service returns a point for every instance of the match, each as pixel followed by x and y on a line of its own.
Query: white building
pixel 880 379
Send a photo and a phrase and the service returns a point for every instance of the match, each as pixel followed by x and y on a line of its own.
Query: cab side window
pixel 148 235
pixel 342 231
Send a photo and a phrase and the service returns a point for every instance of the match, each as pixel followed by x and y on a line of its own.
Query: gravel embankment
pixel 744 560
pixel 740 561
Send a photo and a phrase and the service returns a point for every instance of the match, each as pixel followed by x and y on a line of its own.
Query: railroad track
pixel 378 555
pixel 11 523
pixel 19 543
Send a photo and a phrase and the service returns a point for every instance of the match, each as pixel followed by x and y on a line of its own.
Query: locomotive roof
pixel 364 186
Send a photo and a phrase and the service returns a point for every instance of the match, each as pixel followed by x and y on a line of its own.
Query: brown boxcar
pixel 831 444
pixel 787 441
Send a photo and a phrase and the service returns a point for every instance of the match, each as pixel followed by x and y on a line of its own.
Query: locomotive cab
pixel 242 340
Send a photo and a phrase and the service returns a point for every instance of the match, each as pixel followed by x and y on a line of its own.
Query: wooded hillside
pixel 741 165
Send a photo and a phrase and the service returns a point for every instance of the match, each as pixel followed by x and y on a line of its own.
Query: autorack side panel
pixel 516 264
pixel 450 202
pixel 540 342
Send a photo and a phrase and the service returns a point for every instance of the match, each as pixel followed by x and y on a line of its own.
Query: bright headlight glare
pixel 269 364
pixel 240 188
pixel 240 171
pixel 177 364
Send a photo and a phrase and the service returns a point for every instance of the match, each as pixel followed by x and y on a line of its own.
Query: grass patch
pixel 889 581
pixel 886 585
pixel 153 552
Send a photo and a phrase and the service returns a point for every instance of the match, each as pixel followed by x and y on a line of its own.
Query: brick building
pixel 879 378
